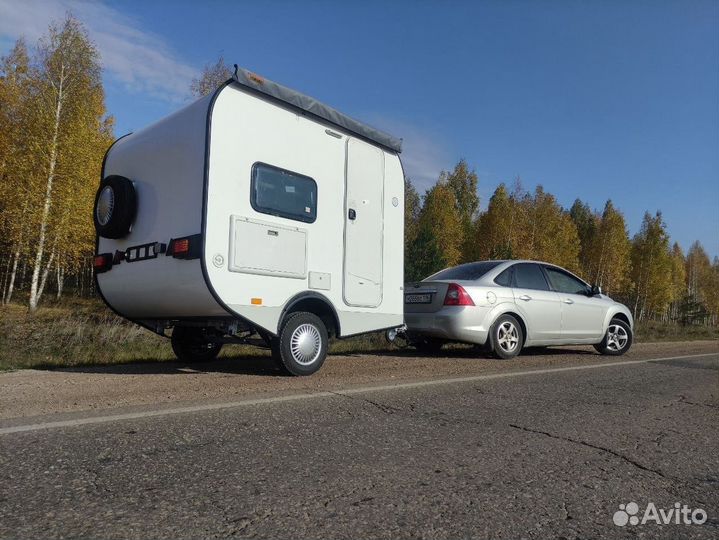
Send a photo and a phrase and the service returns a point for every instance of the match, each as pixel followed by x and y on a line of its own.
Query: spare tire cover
pixel 115 207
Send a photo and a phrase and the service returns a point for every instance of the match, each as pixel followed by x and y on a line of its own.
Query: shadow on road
pixel 262 365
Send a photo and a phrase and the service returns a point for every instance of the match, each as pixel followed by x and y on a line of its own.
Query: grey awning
pixel 315 108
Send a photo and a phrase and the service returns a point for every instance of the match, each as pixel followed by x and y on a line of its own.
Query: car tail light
pixel 102 262
pixel 188 247
pixel 457 296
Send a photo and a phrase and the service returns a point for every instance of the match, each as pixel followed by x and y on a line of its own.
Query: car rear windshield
pixel 469 271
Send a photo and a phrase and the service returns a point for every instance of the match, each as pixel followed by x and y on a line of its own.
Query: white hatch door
pixel 363 224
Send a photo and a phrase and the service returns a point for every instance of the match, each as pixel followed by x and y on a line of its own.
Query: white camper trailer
pixel 255 215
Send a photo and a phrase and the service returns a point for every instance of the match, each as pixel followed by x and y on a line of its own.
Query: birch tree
pixel 212 76
pixel 68 107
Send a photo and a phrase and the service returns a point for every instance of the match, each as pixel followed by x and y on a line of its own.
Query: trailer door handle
pixel 352 214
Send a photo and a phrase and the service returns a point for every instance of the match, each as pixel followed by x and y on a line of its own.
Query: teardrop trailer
pixel 253 215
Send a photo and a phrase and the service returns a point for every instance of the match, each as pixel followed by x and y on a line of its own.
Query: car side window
pixel 529 276
pixel 565 283
pixel 505 278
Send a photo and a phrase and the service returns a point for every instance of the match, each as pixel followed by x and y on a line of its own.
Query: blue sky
pixel 597 100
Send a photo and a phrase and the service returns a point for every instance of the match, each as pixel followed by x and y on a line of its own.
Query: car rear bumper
pixel 454 323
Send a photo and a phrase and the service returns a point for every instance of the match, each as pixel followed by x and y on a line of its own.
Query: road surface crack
pixel 595 447
pixel 683 399
pixel 387 409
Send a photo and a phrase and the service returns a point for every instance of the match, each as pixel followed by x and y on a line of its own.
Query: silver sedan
pixel 508 305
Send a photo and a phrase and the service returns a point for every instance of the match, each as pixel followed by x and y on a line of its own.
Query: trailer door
pixel 364 224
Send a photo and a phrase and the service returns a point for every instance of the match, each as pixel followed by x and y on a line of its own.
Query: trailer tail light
pixel 102 262
pixel 187 247
pixel 457 296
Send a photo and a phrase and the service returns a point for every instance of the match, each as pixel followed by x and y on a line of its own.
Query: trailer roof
pixel 315 108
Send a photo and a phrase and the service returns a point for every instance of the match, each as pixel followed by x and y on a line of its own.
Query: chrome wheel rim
pixel 305 344
pixel 508 336
pixel 105 205
pixel 617 337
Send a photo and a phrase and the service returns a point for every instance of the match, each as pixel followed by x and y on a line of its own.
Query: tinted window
pixel 505 278
pixel 564 283
pixel 283 193
pixel 529 276
pixel 469 271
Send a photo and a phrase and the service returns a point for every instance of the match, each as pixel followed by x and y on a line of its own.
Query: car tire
pixel 192 345
pixel 617 340
pixel 301 347
pixel 428 345
pixel 506 337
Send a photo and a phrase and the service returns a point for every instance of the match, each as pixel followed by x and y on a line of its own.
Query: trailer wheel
pixel 301 346
pixel 115 207
pixel 192 345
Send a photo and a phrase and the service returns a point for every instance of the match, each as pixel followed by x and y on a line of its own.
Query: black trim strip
pixel 305 295
pixel 205 182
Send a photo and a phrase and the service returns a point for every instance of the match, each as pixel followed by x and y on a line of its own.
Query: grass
pixel 84 332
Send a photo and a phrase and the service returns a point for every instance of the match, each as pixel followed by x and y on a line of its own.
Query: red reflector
pixel 188 247
pixel 457 296
pixel 181 246
pixel 102 262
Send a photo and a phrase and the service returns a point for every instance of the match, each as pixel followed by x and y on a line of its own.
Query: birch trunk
pixel 45 273
pixel 11 285
pixel 34 296
pixel 60 274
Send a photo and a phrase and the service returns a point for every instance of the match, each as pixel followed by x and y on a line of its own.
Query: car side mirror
pixel 595 290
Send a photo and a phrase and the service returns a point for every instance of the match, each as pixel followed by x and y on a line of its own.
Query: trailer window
pixel 279 192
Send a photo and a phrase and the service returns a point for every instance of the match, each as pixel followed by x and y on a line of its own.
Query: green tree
pixel 608 256
pixel 651 268
pixel 15 159
pixel 493 230
pixel 439 233
pixel 212 76
pixel 547 232
pixel 412 209
pixel 587 223
pixel 678 281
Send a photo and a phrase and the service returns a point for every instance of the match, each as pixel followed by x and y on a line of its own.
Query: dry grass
pixel 81 332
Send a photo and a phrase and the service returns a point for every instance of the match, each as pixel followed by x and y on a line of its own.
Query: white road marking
pixel 318 395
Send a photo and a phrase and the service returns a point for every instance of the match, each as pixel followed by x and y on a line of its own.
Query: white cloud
pixel 424 155
pixel 139 60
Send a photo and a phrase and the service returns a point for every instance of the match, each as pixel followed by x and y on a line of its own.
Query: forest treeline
pixel 648 272
pixel 54 131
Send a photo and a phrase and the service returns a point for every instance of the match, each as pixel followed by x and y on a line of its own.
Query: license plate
pixel 417 298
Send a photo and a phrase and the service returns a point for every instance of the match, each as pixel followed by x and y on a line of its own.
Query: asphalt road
pixel 548 446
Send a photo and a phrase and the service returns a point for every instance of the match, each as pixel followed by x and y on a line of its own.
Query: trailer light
pixel 188 247
pixel 102 262
pixel 457 296
pixel 256 301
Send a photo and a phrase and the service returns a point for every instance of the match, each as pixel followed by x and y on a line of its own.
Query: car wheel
pixel 301 346
pixel 617 340
pixel 428 345
pixel 193 345
pixel 506 337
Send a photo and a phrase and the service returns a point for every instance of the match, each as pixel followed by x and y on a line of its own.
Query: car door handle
pixel 525 297
pixel 568 301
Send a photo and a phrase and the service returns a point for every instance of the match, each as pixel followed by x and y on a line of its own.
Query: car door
pixel 582 314
pixel 536 302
